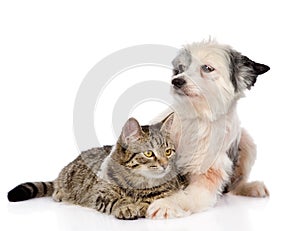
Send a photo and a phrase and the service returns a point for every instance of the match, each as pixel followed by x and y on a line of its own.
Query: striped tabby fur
pixel 121 180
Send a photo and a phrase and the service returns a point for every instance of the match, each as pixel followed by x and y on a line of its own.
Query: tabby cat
pixel 121 180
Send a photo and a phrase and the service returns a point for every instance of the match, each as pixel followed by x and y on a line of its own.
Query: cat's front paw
pixel 127 212
pixel 131 211
pixel 164 209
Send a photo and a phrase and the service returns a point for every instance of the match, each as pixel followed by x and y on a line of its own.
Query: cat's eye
pixel 148 153
pixel 168 152
pixel 207 68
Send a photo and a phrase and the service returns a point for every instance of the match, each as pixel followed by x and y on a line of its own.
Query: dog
pixel 213 150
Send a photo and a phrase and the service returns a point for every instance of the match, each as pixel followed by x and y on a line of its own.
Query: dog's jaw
pixel 184 92
pixel 178 92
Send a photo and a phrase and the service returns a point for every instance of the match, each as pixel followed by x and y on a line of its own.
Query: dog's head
pixel 213 73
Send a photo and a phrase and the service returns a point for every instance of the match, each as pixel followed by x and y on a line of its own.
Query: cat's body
pixel 121 180
pixel 78 184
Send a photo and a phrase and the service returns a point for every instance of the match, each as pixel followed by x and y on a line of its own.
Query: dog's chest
pixel 199 142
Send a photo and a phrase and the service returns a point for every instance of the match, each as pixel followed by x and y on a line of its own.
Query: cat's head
pixel 147 151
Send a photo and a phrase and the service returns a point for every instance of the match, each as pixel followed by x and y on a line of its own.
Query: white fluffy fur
pixel 206 122
pixel 206 125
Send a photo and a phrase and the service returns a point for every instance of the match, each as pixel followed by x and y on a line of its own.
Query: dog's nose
pixel 178 82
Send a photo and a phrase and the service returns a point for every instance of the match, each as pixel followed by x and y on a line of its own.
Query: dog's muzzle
pixel 178 82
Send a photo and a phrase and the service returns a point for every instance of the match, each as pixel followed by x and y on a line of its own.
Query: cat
pixel 121 180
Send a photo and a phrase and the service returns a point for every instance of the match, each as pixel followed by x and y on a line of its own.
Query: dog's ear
pixel 244 71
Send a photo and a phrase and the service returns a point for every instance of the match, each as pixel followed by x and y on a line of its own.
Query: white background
pixel 47 48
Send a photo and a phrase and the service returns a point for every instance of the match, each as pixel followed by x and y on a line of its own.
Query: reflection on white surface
pixel 230 213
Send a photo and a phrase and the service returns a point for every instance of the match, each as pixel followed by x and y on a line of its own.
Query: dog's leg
pixel 246 159
pixel 194 198
pixel 201 194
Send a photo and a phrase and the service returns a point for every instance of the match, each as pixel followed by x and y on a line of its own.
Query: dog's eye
pixel 181 68
pixel 207 68
pixel 175 72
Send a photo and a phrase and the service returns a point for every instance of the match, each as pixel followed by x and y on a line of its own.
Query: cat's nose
pixel 178 82
pixel 163 163
pixel 164 166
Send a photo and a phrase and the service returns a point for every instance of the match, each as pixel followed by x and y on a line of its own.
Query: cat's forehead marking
pixel 154 135
pixel 157 141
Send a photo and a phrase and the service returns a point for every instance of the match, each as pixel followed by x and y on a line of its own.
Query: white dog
pixel 213 150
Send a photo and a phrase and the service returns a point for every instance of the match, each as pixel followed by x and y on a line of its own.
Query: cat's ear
pixel 131 131
pixel 167 123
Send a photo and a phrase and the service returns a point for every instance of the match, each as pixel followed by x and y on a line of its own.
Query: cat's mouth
pixel 155 173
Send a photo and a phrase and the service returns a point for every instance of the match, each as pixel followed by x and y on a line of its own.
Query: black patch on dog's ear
pixel 257 68
pixel 244 71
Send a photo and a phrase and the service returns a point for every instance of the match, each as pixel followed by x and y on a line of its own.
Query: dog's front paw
pixel 164 209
